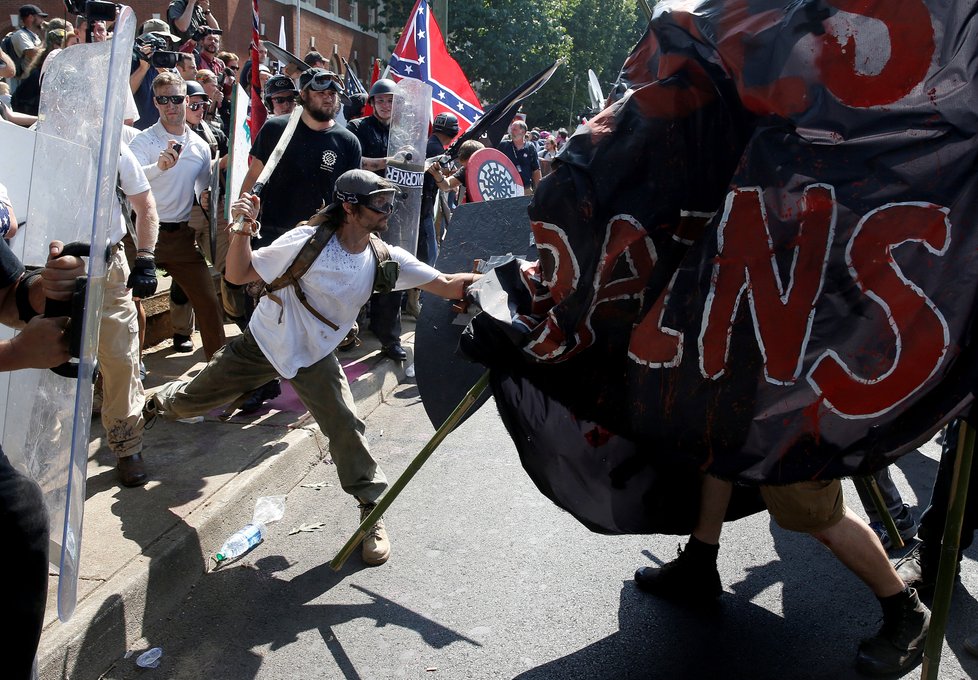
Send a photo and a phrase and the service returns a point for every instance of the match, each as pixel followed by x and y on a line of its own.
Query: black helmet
pixel 446 123
pixel 382 86
pixel 277 85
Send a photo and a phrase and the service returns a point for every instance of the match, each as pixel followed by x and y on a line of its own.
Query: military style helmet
pixel 446 123
pixel 382 86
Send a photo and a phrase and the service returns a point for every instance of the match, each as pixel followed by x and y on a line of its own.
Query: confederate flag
pixel 421 54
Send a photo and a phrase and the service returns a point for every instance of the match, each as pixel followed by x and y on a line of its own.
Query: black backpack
pixel 7 45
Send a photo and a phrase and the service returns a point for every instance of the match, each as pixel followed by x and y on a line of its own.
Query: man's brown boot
pixel 376 547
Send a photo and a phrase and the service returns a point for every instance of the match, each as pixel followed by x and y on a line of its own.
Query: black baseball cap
pixel 359 187
pixel 29 10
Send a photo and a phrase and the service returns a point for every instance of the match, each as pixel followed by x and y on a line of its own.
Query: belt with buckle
pixel 169 227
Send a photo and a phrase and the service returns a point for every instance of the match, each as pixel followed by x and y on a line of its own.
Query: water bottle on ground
pixel 267 509
pixel 241 541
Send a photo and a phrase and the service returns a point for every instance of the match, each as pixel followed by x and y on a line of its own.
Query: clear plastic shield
pixel 75 162
pixel 406 155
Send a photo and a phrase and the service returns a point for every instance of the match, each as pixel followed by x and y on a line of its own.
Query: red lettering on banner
pixel 560 274
pixel 627 238
pixel 652 344
pixel 745 263
pixel 626 243
pixel 919 353
pixel 911 50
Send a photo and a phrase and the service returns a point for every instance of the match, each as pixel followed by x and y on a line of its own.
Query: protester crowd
pixel 175 142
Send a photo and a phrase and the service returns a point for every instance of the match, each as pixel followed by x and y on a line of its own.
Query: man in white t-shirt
pixel 294 335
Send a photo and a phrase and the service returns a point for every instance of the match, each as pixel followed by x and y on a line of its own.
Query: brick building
pixel 331 27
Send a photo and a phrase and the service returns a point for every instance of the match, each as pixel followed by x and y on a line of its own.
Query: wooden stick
pixel 949 552
pixel 870 487
pixel 470 398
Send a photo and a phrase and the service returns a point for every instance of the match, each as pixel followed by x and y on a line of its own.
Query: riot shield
pixel 490 175
pixel 405 160
pixel 73 179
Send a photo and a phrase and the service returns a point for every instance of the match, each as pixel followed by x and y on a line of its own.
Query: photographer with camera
pixel 189 18
pixel 151 55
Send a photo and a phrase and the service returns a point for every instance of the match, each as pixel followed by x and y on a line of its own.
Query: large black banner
pixel 759 261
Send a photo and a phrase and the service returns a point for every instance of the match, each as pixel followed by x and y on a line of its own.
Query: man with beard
pixel 296 327
pixel 318 153
pixel 373 131
pixel 209 46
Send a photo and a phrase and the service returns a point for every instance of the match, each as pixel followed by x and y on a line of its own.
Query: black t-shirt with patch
pixel 373 135
pixel 303 181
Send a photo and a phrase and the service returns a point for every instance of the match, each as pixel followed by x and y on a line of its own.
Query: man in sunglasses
pixel 318 153
pixel 279 95
pixel 296 328
pixel 177 164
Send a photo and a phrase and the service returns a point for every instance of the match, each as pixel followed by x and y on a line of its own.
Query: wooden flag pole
pixel 949 552
pixel 470 398
pixel 872 489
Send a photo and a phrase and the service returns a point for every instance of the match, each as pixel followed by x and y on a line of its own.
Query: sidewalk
pixel 144 549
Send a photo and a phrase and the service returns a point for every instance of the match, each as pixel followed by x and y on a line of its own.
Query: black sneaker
pixel 182 343
pixel 686 579
pixel 899 644
pixel 905 522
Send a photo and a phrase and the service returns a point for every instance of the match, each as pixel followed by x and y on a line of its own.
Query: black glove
pixel 142 279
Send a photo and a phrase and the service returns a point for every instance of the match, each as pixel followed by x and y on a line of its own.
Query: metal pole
pixel 470 398
pixel 570 118
pixel 949 552
pixel 870 487
pixel 298 29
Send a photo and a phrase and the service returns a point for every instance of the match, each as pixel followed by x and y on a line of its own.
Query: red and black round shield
pixel 490 175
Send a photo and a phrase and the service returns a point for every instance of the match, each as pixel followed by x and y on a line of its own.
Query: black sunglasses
pixel 282 100
pixel 164 99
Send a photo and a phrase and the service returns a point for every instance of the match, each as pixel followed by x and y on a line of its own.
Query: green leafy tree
pixel 501 43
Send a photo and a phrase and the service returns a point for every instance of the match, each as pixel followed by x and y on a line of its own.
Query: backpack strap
pixel 300 265
pixel 385 275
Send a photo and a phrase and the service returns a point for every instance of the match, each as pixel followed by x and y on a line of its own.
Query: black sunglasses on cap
pixel 164 99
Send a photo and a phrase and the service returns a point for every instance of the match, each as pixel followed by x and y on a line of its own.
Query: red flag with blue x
pixel 421 54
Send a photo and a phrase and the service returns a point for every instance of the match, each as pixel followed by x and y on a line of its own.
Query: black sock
pixel 702 551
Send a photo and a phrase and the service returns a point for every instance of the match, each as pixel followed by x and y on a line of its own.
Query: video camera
pixel 94 10
pixel 199 31
pixel 160 57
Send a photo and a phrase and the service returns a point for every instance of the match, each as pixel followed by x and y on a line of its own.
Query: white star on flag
pixel 408 69
pixel 420 35
pixel 441 94
pixel 461 106
pixel 421 59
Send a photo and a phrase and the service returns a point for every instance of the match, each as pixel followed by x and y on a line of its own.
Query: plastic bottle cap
pixel 219 557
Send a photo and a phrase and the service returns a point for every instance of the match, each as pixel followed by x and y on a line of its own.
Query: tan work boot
pixel 376 547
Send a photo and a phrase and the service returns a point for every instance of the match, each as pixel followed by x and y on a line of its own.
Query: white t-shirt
pixel 133 181
pixel 174 189
pixel 336 285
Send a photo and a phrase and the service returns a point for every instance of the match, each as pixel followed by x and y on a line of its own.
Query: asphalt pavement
pixel 489 580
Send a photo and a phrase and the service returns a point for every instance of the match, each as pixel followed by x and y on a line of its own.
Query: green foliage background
pixel 501 43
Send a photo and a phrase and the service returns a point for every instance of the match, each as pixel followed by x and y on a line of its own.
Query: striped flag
pixel 421 54
pixel 258 112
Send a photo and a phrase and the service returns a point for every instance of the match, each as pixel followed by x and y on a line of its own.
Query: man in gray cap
pixel 298 324
pixel 25 41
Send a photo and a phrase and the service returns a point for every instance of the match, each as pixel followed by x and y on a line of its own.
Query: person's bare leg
pixel 714 499
pixel 854 543
pixel 899 644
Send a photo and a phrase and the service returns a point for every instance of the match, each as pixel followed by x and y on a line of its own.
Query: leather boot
pixel 899 644
pixel 376 547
